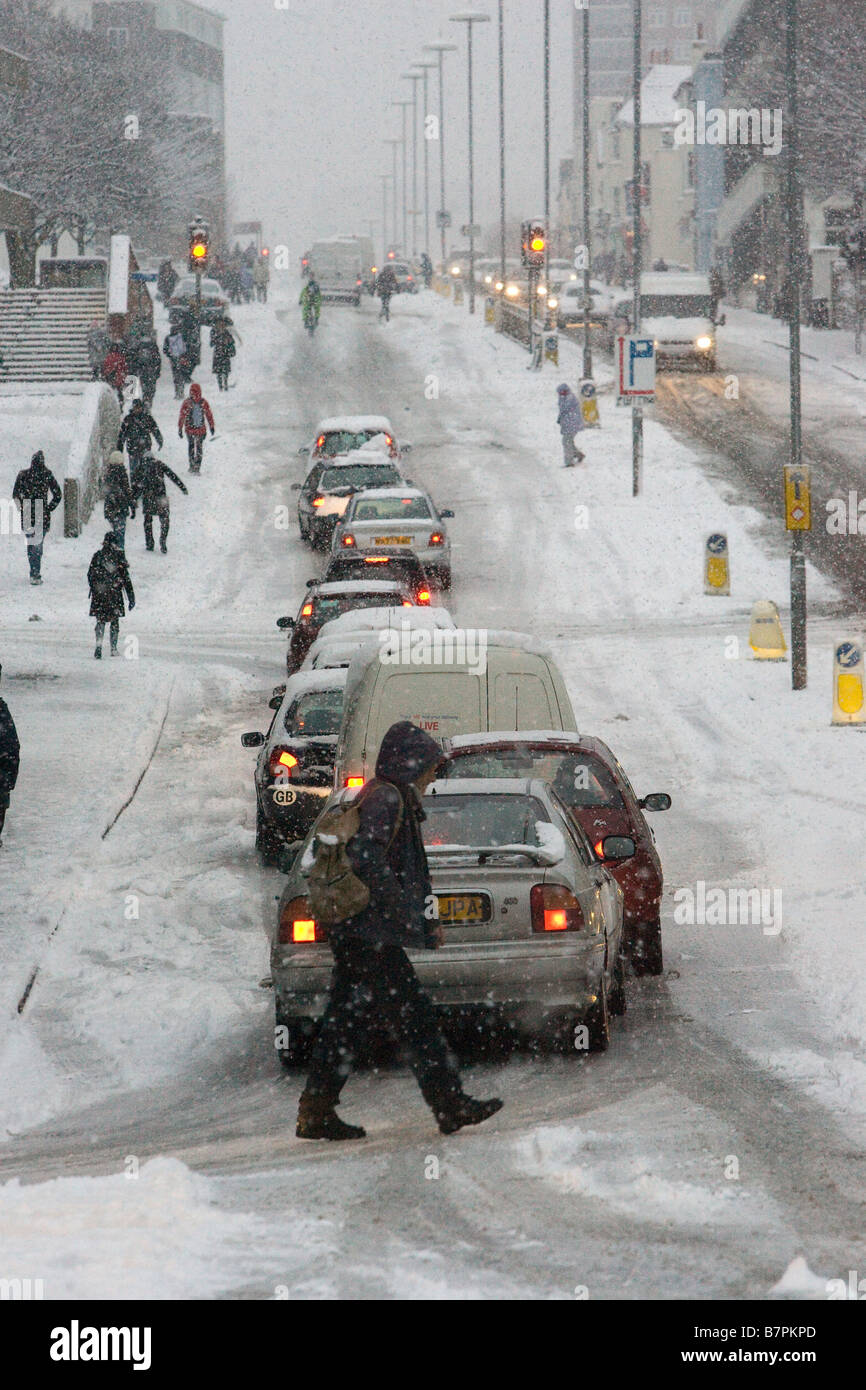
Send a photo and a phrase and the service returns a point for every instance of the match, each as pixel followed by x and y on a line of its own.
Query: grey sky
pixel 308 91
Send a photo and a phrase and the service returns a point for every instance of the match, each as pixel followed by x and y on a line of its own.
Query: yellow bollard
pixel 489 309
pixel 765 634
pixel 588 402
pixel 717 574
pixel 848 703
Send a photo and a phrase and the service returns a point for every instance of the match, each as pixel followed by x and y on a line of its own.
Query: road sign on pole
pixel 635 369
pixel 798 498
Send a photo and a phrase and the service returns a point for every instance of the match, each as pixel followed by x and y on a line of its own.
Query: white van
pixel 336 265
pixel 677 312
pixel 448 681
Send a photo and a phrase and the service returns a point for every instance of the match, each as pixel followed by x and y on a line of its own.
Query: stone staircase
pixel 43 333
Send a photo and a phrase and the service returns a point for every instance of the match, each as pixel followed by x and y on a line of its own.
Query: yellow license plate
pixel 470 907
pixel 393 540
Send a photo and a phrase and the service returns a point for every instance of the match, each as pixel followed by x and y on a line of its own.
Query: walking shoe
pixel 35 579
pixel 317 1119
pixel 113 651
pixel 580 457
pixel 98 653
pixel 455 1110
pixel 149 547
pixel 163 547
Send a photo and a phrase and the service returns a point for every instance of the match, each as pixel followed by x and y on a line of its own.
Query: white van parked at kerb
pixel 447 681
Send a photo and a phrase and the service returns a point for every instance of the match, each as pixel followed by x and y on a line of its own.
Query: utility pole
pixel 637 247
pixel 424 67
pixel 414 78
pixel 404 105
pixel 546 158
pixel 394 141
pixel 502 144
pixel 587 350
pixel 440 48
pixel 385 178
pixel 795 276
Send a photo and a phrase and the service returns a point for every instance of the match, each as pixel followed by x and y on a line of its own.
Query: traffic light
pixel 533 245
pixel 198 248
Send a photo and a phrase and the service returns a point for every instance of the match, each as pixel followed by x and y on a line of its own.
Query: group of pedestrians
pixel 115 360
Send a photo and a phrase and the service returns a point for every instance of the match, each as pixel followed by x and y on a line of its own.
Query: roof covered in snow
pixel 355 423
pixel 658 102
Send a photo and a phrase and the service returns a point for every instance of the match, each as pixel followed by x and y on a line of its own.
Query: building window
pixel 118 38
pixel 614 143
pixel 657 19
pixel 682 18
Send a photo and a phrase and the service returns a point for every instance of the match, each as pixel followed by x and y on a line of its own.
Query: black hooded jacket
pixel 33 485
pixel 397 875
pixel 9 753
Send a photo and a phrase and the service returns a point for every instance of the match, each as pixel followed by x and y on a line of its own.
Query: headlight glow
pixel 704 344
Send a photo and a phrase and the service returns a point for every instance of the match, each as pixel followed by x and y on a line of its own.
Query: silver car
pixel 397 518
pixel 532 921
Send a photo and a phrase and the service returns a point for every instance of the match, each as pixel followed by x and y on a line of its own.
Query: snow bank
pixel 93 439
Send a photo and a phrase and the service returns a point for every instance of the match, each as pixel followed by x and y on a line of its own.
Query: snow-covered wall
pixel 94 437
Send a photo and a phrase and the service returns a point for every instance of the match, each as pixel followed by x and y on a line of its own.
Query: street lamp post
pixel 546 150
pixel 796 271
pixel 637 248
pixel 440 49
pixel 424 68
pixel 404 105
pixel 414 78
pixel 469 18
pixel 587 270
pixel 502 142
pixel 394 141
pixel 386 178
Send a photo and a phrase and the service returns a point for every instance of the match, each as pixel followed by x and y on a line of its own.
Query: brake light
pixel 389 440
pixel 554 908
pixel 407 603
pixel 307 610
pixel 347 540
pixel 281 762
pixel 296 924
pixel 599 848
pixel 376 559
pixel 423 596
pixel 437 538
pixel 320 441
pixel 317 501
pixel 354 782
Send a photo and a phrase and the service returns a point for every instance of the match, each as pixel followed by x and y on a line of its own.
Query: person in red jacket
pixel 195 419
pixel 115 368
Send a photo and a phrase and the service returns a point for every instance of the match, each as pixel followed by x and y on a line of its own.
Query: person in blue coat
pixel 570 421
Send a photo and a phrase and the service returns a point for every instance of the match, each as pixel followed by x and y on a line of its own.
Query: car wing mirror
pixel 304 449
pixel 446 513
pixel 656 801
pixel 285 623
pixel 405 448
pixel 296 487
pixel 252 740
pixel 617 847
pixel 311 583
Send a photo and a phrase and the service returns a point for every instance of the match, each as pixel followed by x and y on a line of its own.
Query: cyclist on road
pixel 311 304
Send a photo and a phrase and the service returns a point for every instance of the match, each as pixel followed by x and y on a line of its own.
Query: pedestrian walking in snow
pixel 38 494
pixel 194 420
pixel 108 579
pixel 150 487
pixel 223 344
pixel 570 421
pixel 175 349
pixel 10 752
pixel 148 364
pixel 119 505
pixel 386 287
pixel 98 343
pixel 115 368
pixel 373 977
pixel 137 433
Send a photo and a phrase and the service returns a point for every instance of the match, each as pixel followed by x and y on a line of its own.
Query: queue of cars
pixel 543 865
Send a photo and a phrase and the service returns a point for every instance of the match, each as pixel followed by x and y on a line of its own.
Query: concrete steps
pixel 43 333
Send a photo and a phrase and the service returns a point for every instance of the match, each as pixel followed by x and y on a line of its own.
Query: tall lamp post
pixel 546 152
pixel 469 18
pixel 424 68
pixel 394 141
pixel 502 142
pixel 404 105
pixel 440 49
pixel 796 272
pixel 414 78
pixel 386 178
pixel 637 247
pixel 587 270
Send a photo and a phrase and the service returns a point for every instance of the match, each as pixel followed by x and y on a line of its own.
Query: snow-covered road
pixel 718 1139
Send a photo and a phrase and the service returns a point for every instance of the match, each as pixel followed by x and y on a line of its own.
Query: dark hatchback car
pixel 295 768
pixel 392 563
pixel 589 779
pixel 326 601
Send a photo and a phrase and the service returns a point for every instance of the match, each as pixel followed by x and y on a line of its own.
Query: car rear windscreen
pixel 481 820
pixel 391 509
pixel 324 609
pixel 677 306
pixel 315 714
pixel 578 779
pixel 405 568
pixel 359 476
pixel 343 441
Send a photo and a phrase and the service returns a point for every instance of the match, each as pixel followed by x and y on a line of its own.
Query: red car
pixel 589 780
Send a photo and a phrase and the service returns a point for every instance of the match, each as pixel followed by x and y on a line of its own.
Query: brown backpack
pixel 334 890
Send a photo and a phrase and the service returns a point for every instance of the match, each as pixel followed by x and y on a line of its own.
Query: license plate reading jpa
pixel 465 907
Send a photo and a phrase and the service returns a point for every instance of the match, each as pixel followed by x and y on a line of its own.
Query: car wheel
pixel 597 1020
pixel 617 995
pixel 267 843
pixel 646 949
pixel 293 1038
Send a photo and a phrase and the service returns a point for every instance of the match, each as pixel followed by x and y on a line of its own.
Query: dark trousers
pixel 162 511
pixel 195 449
pixel 136 463
pixel 377 983
pixel 34 558
pixel 4 807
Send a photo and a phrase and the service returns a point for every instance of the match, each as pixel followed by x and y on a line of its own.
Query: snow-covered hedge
pixel 94 437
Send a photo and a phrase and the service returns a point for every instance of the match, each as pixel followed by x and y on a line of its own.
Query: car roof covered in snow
pixel 411 491
pixel 515 736
pixel 335 587
pixel 355 423
pixel 372 458
pixel 377 619
pixel 488 786
pixel 304 681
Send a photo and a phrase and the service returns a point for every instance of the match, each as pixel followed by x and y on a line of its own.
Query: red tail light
pixel 354 782
pixel 320 441
pixel 389 440
pixel 423 596
pixel 317 501
pixel 297 924
pixel 281 763
pixel 347 540
pixel 555 908
pixel 307 610
pixel 407 603
pixel 437 538
pixel 376 559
